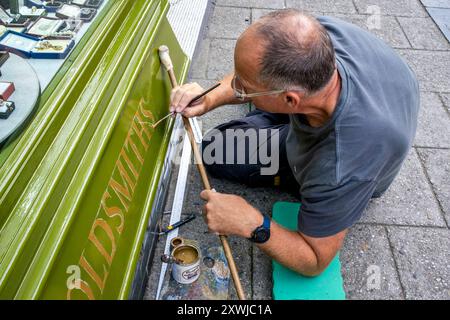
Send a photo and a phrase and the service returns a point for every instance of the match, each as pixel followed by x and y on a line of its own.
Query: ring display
pixel 6 108
pixel 33 47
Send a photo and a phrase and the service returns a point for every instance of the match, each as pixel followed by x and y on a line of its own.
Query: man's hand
pixel 227 214
pixel 181 96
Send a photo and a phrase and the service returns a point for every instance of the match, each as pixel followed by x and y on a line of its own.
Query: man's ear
pixel 293 99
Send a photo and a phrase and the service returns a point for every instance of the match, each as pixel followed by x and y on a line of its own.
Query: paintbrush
pixel 201 95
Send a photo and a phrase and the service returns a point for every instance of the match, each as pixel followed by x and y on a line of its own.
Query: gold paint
pixel 129 141
pixel 140 132
pixel 93 238
pixel 93 274
pixel 124 193
pixel 122 190
pixel 133 170
pixel 113 212
pixel 186 254
pixel 84 287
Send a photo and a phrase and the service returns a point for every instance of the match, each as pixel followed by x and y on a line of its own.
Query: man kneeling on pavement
pixel 343 108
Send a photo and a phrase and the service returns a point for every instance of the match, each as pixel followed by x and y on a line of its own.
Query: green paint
pixel 55 173
pixel 289 285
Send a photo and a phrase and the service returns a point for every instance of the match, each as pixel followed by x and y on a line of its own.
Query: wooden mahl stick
pixel 167 62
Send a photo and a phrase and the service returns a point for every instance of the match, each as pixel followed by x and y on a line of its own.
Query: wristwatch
pixel 262 233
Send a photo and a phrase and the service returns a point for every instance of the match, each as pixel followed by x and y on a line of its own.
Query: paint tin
pixel 175 242
pixel 188 270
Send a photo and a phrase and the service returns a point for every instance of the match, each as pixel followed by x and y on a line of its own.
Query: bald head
pixel 291 50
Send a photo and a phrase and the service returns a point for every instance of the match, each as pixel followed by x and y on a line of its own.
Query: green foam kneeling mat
pixel 289 285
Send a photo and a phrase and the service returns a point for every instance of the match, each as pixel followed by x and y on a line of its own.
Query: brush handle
pixel 167 62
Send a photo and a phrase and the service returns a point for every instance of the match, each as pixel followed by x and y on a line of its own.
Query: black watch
pixel 262 233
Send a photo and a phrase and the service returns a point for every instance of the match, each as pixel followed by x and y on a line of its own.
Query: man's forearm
pixel 291 250
pixel 224 94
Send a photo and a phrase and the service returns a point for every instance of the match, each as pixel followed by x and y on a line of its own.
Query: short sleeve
pixel 326 210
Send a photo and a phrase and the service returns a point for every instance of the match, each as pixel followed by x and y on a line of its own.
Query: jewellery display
pixel 52 49
pixel 33 47
pixel 6 108
pixel 87 14
pixel 12 20
pixel 33 12
pixel 48 46
pixel 34 3
pixel 68 11
pixel 68 30
pixel 4 56
pixel 44 27
pixel 88 3
pixel 6 89
pixel 79 2
pixel 18 43
pixel 14 6
pixel 94 3
pixel 15 29
pixel 52 6
pixel 5 16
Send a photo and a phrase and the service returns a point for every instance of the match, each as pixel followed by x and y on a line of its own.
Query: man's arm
pixel 182 95
pixel 305 255
pixel 232 215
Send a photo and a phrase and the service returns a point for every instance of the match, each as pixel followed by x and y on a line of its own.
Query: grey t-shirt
pixel 357 154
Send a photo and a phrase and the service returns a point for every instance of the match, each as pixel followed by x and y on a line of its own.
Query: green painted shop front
pixel 78 181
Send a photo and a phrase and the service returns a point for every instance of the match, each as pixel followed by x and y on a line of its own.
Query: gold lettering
pixel 128 140
pixel 124 192
pixel 146 113
pixel 93 238
pixel 113 212
pixel 84 287
pixel 133 170
pixel 93 274
pixel 140 130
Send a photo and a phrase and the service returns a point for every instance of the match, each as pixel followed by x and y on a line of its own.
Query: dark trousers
pixel 249 172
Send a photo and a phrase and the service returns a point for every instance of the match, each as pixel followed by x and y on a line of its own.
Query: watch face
pixel 262 235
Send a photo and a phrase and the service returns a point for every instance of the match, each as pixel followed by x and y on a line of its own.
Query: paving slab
pixel 408 201
pixel 269 4
pixel 436 3
pixel 229 22
pixel 442 18
pixel 200 62
pixel 423 261
pixel 327 6
pixel 401 8
pixel 368 267
pixel 262 282
pixel 437 165
pixel 221 58
pixel 433 123
pixel 389 29
pixel 423 33
pixel 258 13
pixel 431 68
pixel 446 99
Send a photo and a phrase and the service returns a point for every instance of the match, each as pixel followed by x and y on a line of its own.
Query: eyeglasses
pixel 239 91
